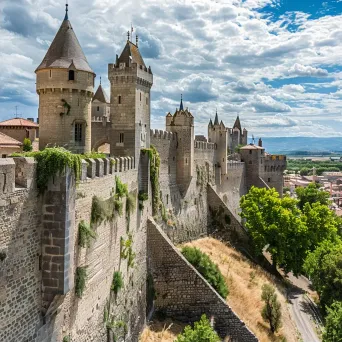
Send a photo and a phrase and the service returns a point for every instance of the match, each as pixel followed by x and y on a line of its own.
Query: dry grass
pixel 166 331
pixel 244 280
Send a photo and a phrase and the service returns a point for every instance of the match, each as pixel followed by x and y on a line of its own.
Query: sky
pixel 275 63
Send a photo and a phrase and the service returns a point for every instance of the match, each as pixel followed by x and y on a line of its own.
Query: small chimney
pixel 260 142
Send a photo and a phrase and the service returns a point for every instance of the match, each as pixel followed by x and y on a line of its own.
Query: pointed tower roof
pixel 210 123
pixel 237 124
pixel 216 122
pixel 65 50
pixel 131 53
pixel 181 107
pixel 101 95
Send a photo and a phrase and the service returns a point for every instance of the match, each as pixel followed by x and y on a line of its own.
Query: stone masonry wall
pixel 182 293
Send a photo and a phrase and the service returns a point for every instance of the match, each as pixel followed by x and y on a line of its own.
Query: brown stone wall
pixel 182 293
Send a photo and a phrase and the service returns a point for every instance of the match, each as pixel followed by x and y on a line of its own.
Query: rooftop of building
pixel 131 54
pixel 65 50
pixel 252 147
pixel 18 122
pixel 101 95
pixel 6 141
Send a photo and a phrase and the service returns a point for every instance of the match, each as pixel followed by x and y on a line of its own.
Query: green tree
pixel 276 224
pixel 271 312
pixel 304 171
pixel 311 194
pixel 333 323
pixel 27 145
pixel 207 268
pixel 202 332
pixel 324 267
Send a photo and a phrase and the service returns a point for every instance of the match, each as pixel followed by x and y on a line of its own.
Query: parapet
pixel 16 172
pixel 202 145
pixel 234 165
pixel 100 167
pixel 160 134
pixel 274 157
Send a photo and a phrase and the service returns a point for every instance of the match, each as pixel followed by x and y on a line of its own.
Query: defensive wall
pixel 40 253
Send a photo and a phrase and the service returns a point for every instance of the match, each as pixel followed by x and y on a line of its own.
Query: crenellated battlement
pixel 205 145
pixel 233 165
pixel 160 134
pixel 100 119
pixel 275 157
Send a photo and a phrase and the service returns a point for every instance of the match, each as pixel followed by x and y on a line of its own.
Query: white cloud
pixel 302 70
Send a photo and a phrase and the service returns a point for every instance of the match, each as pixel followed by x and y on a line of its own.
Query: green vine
pixel 142 197
pixel 127 250
pixel 121 189
pixel 51 162
pixel 67 106
pixel 81 277
pixel 130 207
pixel 154 177
pixel 85 234
pixel 66 339
pixel 117 282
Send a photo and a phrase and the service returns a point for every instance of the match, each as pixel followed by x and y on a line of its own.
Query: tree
pixel 27 145
pixel 311 194
pixel 276 224
pixel 202 332
pixel 271 312
pixel 304 171
pixel 333 323
pixel 324 267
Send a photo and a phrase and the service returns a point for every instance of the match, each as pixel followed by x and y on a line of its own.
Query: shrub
pixel 53 161
pixel 121 189
pixel 142 197
pixel 66 339
pixel 85 234
pixel 81 277
pixel 333 323
pixel 271 312
pixel 207 268
pixel 118 206
pixel 127 250
pixel 99 211
pixel 202 332
pixel 130 204
pixel 27 145
pixel 117 282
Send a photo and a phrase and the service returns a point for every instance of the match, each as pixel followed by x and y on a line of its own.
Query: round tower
pixel 65 85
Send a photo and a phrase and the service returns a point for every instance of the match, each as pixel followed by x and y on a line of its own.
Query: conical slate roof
pixel 65 50
pixel 101 95
pixel 216 122
pixel 237 124
pixel 131 53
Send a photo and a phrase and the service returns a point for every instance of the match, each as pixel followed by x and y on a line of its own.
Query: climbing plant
pixel 117 282
pixel 130 206
pixel 51 162
pixel 127 250
pixel 85 234
pixel 81 277
pixel 121 189
pixel 66 106
pixel 154 176
pixel 142 197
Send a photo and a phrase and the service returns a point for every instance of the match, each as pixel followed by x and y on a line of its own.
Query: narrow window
pixel 98 108
pixel 223 159
pixel 50 73
pixel 167 199
pixel 4 156
pixel 78 132
pixel 186 161
pixel 121 137
pixel 140 96
pixel 269 179
pixel 173 158
pixel 71 75
pixel 119 99
pixel 250 151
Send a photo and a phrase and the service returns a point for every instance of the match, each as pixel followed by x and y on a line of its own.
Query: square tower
pixel 130 110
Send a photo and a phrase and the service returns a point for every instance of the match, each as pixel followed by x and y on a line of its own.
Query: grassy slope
pixel 244 280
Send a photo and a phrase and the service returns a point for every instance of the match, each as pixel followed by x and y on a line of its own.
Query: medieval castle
pixel 41 260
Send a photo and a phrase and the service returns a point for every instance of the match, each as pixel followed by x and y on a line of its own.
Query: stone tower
pixel 218 134
pixel 182 123
pixel 65 85
pixel 237 136
pixel 100 107
pixel 130 99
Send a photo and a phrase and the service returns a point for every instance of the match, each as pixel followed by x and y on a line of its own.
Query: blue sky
pixel 275 63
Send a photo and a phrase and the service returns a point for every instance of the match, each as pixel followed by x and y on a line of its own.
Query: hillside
pixel 244 280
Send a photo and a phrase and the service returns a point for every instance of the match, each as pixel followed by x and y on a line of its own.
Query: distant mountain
pixel 303 145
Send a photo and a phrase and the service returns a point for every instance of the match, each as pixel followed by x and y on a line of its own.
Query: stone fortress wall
pixel 37 302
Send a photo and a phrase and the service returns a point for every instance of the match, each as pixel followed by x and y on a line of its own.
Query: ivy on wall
pixel 80 282
pixel 127 250
pixel 85 234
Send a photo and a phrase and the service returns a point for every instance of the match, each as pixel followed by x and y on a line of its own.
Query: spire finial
pixel 66 10
pixel 128 36
pixel 181 103
pixel 100 80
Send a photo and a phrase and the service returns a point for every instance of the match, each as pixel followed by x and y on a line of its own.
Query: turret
pixel 130 99
pixel 182 123
pixel 65 85
pixel 100 106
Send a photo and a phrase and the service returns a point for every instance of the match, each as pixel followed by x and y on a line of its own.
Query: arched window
pixel 71 75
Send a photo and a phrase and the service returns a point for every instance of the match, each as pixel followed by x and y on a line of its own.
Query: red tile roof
pixel 6 141
pixel 18 122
